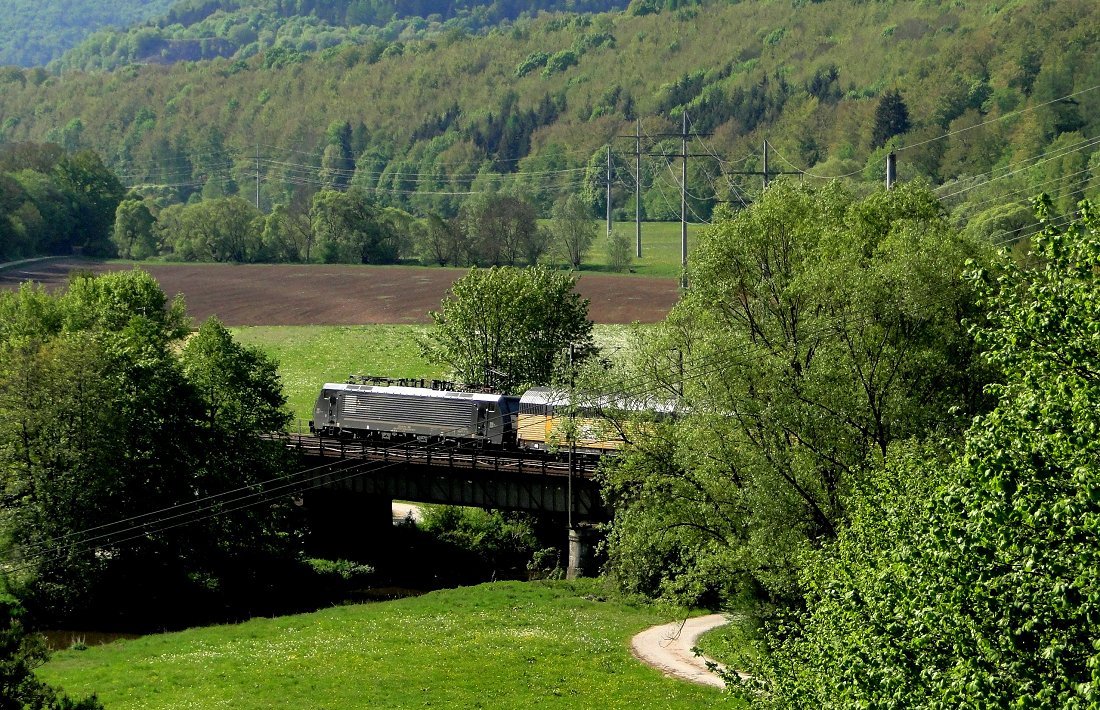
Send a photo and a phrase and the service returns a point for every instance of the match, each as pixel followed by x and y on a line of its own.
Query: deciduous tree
pixel 216 229
pixel 818 328
pixel 102 419
pixel 97 193
pixel 133 234
pixel 501 230
pixel 351 228
pixel 573 228
pixel 509 327
pixel 975 581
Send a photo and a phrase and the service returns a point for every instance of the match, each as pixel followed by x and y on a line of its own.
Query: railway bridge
pixel 359 480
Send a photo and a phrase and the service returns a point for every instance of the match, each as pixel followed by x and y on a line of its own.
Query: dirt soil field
pixel 288 294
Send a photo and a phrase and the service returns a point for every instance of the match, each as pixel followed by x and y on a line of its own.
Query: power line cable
pixel 1079 145
pixel 1052 155
pixel 1082 178
pixel 1011 114
pixel 807 172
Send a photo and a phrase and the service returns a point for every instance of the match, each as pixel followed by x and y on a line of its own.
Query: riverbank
pixel 506 644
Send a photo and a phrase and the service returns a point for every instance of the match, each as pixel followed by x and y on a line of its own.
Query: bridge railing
pixel 497 461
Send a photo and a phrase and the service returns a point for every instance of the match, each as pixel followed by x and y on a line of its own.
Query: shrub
pixel 620 251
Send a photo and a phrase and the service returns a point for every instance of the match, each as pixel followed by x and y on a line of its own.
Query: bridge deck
pixel 534 462
pixel 534 482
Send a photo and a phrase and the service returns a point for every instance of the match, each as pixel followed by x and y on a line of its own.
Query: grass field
pixel 310 356
pixel 660 248
pixel 502 645
pixel 732 643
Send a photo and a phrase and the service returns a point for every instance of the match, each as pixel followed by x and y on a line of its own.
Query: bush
pixel 500 544
pixel 20 654
pixel 620 250
pixel 345 570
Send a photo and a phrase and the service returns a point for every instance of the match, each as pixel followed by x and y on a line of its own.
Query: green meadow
pixel 312 355
pixel 500 645
pixel 660 248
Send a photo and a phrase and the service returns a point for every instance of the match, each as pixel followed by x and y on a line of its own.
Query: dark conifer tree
pixel 891 118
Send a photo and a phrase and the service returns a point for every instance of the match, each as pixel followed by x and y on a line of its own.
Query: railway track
pixel 487 460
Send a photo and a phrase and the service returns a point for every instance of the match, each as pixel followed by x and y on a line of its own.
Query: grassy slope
pixel 731 644
pixel 499 645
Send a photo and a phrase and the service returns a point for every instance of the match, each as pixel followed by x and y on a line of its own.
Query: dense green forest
pixel 52 202
pixel 34 33
pixel 205 29
pixel 77 34
pixel 993 104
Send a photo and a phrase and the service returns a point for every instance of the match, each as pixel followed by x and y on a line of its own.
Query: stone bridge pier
pixel 582 552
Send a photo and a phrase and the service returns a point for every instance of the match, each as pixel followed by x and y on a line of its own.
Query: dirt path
pixel 668 649
pixel 403 511
pixel 24 262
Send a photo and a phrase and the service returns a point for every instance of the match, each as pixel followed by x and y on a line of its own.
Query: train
pixel 375 409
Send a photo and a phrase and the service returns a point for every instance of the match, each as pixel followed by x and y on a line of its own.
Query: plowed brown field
pixel 288 294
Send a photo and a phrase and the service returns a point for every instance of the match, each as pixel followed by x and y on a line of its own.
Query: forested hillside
pixel 34 32
pixel 423 123
pixel 205 29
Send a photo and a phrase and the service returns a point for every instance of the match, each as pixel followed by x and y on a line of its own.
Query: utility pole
pixel 765 163
pixel 638 185
pixel 609 188
pixel 572 434
pixel 683 207
pixel 257 177
pixel 891 170
pixel 765 173
pixel 683 135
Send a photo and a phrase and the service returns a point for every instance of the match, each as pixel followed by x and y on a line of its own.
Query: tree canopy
pixel 105 418
pixel 969 576
pixel 818 328
pixel 53 202
pixel 510 327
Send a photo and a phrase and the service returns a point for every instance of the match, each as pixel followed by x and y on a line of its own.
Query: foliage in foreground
pixel 818 328
pixel 106 416
pixel 20 654
pixel 510 644
pixel 984 590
